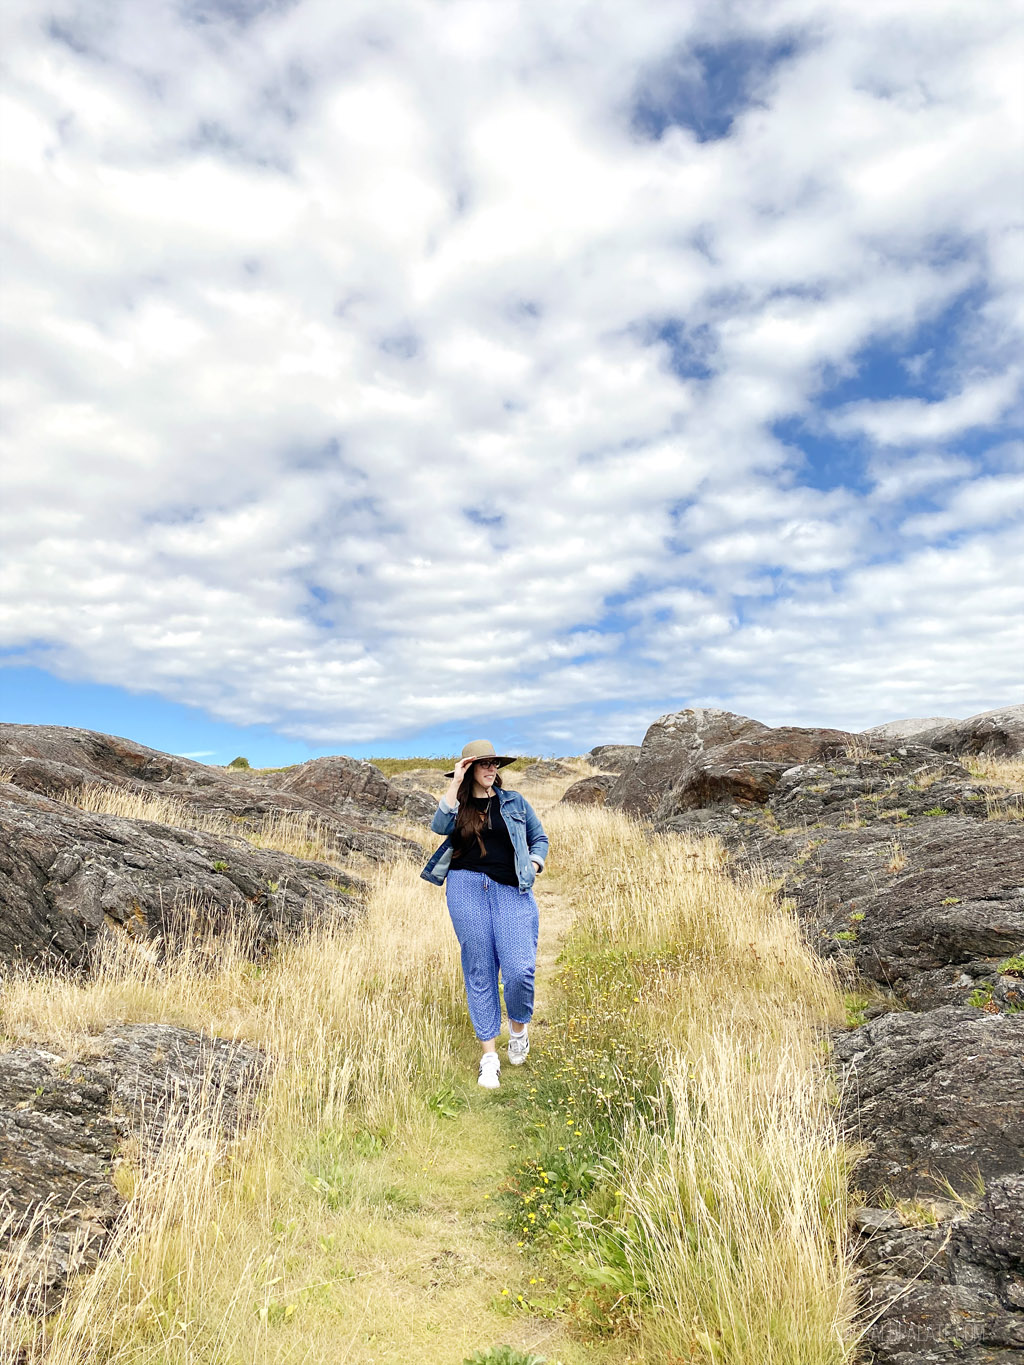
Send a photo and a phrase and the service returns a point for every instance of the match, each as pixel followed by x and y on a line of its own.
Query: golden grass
pixel 1002 778
pixel 1001 772
pixel 299 833
pixel 733 1214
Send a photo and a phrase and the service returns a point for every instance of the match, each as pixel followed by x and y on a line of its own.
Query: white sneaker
pixel 490 1071
pixel 518 1046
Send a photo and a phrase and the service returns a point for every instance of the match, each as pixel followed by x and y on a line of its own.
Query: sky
pixel 385 375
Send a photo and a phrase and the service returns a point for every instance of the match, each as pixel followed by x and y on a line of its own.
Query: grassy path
pixel 440 1274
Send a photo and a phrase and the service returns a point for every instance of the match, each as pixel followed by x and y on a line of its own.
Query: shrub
pixel 239 762
pixel 503 1355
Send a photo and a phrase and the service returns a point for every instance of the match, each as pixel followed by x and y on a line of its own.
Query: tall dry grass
pixel 731 1212
pixel 357 1022
pixel 299 833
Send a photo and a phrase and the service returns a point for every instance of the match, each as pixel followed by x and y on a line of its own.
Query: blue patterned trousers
pixel 497 927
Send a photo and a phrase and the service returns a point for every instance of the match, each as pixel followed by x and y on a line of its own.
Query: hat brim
pixel 502 761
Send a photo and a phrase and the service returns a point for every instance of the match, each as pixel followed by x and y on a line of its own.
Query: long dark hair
pixel 470 820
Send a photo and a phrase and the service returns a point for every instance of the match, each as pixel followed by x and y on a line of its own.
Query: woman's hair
pixel 469 821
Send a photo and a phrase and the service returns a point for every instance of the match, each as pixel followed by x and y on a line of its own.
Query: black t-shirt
pixel 498 861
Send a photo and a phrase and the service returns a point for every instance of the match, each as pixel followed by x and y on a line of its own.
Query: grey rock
pixel 907 729
pixel 668 751
pixel 924 1323
pixel 590 791
pixel 987 1248
pixel 907 1253
pixel 868 1221
pixel 613 758
pixel 340 783
pixel 58 760
pixel 938 1098
pixel 929 909
pixel 951 1292
pixel 66 877
pixel 62 1123
pixel 999 733
pixel 890 784
pixel 545 768
pixel 747 771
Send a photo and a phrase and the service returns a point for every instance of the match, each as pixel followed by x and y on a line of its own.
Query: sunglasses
pixel 486 763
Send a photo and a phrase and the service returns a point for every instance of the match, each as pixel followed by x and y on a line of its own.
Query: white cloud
pixel 337 402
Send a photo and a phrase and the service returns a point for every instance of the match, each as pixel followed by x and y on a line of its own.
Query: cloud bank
pixel 375 366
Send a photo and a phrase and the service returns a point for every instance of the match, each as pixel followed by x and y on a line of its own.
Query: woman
pixel 494 849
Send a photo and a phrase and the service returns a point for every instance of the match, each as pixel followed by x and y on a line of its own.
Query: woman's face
pixel 484 770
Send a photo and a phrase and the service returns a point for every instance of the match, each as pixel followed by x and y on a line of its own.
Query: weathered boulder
pixel 999 733
pixel 922 1323
pixel 340 783
pixel 987 1248
pixel 63 1121
pixel 747 771
pixel 671 746
pixel 354 811
pixel 927 909
pixel 67 876
pixel 79 756
pixel 906 729
pixel 897 783
pixel 613 758
pixel 937 1098
pixel 932 1290
pixel 545 768
pixel 589 791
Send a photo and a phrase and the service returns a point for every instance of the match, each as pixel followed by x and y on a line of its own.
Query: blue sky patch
pixel 705 87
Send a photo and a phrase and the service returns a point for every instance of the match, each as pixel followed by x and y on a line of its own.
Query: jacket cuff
pixel 444 807
pixel 535 858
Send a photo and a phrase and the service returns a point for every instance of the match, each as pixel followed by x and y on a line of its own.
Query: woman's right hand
pixel 460 772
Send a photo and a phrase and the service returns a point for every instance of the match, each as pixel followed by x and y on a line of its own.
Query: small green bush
pixel 239 762
pixel 503 1355
pixel 1013 966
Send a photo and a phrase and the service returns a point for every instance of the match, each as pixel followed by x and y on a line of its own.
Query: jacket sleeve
pixel 536 839
pixel 444 818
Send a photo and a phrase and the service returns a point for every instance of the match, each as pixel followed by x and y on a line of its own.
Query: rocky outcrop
pixel 613 758
pixel 930 911
pixel 589 791
pixel 953 1292
pixel 936 1098
pixel 999 733
pixel 62 1123
pixel 895 730
pixel 746 772
pixel 670 748
pixel 696 759
pixel 544 769
pixel 896 784
pixel 352 800
pixel 339 783
pixel 67 876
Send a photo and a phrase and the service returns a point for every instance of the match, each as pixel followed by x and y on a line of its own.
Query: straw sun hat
pixel 482 748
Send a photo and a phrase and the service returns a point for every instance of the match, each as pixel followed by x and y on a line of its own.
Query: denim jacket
pixel 528 838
